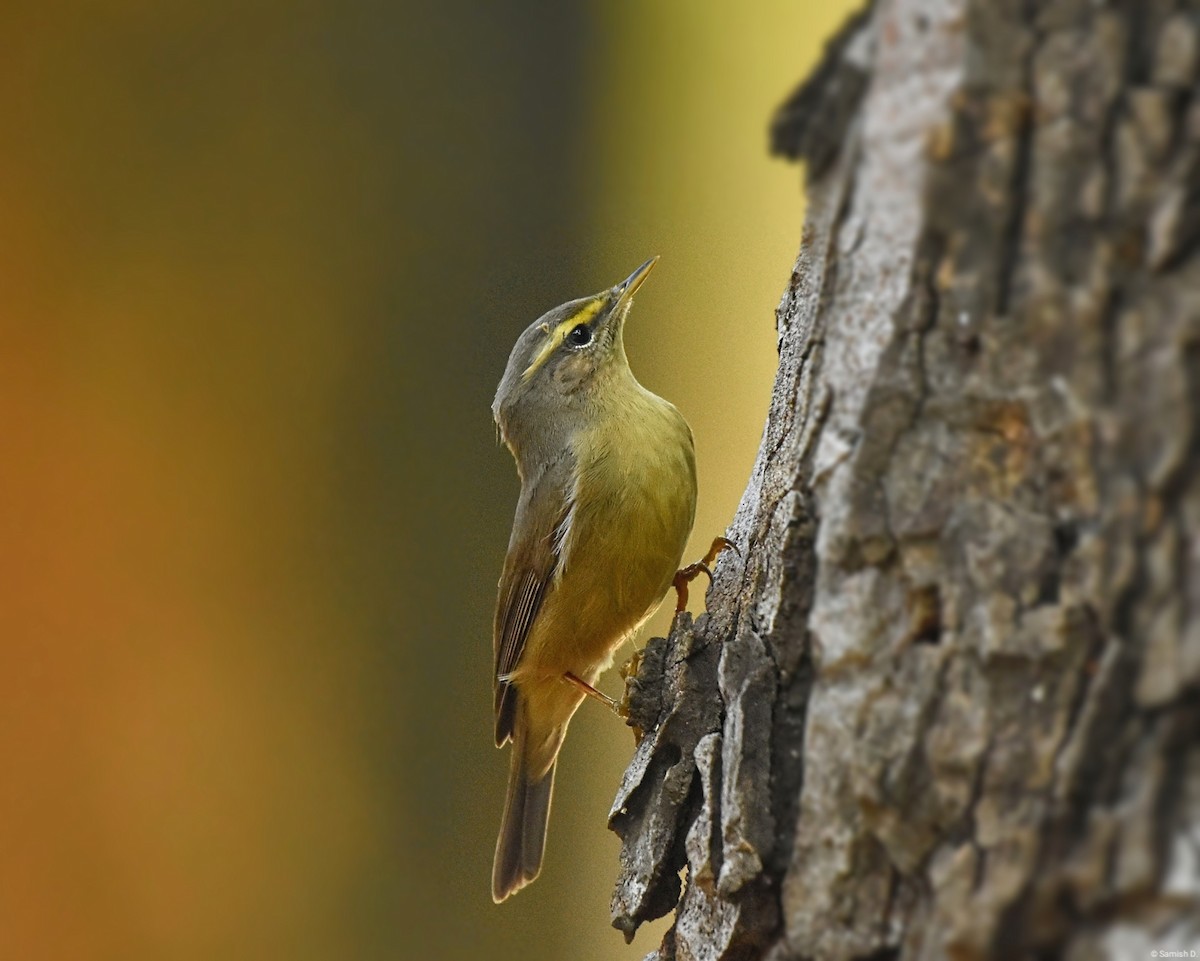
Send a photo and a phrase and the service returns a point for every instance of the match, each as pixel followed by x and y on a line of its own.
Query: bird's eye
pixel 580 336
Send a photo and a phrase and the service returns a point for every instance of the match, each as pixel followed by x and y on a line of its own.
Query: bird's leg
pixel 590 691
pixel 692 571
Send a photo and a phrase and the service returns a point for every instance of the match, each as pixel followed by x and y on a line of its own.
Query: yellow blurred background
pixel 261 265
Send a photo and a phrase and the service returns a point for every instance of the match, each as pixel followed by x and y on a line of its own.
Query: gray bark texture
pixel 946 702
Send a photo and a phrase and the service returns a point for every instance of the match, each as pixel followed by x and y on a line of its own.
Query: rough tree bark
pixel 946 703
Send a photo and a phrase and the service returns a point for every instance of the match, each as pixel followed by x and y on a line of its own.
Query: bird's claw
pixel 720 544
pixel 688 574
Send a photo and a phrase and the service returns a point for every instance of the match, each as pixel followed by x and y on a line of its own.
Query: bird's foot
pixel 590 691
pixel 684 577
pixel 628 670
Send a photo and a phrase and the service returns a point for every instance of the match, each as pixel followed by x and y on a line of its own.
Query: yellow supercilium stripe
pixel 581 316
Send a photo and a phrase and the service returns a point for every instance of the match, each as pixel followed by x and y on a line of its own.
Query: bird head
pixel 563 363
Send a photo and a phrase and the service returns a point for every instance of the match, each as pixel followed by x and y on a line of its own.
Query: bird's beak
pixel 628 287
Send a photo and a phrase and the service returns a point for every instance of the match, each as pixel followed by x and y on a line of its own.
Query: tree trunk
pixel 946 702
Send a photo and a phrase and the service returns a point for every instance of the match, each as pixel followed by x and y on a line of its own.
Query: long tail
pixel 523 828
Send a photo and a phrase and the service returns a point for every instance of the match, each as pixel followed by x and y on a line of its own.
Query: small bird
pixel 608 496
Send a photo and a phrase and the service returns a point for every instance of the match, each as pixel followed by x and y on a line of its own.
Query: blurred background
pixel 261 266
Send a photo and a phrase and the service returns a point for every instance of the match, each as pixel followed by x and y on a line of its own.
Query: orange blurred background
pixel 261 266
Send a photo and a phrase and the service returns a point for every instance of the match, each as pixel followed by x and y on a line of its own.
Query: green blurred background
pixel 261 265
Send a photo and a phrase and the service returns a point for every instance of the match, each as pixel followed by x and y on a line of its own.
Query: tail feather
pixel 522 839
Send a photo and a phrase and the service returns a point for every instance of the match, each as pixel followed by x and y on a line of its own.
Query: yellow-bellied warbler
pixel 608 495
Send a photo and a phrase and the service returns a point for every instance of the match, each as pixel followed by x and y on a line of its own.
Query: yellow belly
pixel 634 505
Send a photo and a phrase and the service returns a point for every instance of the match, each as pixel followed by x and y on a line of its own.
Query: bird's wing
pixel 533 556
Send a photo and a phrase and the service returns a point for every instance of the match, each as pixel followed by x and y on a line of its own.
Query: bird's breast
pixel 630 512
